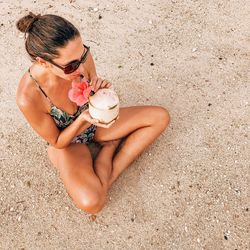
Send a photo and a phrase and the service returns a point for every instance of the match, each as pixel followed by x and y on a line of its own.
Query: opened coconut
pixel 104 105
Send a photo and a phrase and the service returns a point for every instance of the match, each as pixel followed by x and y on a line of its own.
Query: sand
pixel 190 190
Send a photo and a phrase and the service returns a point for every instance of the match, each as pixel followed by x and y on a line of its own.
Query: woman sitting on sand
pixel 59 55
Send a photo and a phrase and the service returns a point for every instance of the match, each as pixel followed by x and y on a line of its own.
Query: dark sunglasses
pixel 70 68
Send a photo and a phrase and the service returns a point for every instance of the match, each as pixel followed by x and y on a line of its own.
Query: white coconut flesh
pixel 104 99
pixel 104 105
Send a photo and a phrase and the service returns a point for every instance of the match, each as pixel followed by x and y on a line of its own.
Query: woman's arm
pixel 45 126
pixel 66 136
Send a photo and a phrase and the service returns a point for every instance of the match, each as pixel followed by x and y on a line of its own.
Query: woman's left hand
pixel 97 83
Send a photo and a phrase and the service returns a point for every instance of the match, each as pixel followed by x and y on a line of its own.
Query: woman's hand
pixel 97 83
pixel 87 117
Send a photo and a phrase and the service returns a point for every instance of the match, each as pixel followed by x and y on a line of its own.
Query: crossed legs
pixel 88 183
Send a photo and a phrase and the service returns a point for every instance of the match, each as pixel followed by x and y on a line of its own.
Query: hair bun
pixel 25 23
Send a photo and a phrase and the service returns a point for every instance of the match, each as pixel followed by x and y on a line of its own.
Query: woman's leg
pixel 83 185
pixel 142 125
pixel 87 186
pixel 103 161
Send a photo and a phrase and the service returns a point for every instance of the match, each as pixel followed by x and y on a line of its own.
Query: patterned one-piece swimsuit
pixel 63 119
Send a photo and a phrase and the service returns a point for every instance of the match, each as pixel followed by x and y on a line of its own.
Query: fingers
pixel 103 125
pixel 94 122
pixel 87 117
pixel 105 84
pixel 109 84
pixel 93 82
pixel 98 83
pixel 110 124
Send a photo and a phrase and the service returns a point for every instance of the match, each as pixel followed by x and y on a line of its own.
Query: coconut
pixel 104 105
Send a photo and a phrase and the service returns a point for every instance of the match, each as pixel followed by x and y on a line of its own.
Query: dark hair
pixel 46 34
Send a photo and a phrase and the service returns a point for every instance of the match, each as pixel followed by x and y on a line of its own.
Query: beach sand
pixel 190 189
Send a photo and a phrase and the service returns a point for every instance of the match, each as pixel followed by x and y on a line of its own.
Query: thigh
pixel 130 119
pixel 75 167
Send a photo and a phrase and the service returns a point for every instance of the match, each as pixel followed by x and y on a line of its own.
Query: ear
pixel 42 62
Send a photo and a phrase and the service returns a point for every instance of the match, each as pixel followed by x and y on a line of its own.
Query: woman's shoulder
pixel 25 90
pixel 27 93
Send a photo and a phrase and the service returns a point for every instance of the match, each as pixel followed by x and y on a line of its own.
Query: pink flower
pixel 79 93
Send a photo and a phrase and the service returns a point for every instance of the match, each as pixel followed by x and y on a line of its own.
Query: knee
pixel 91 203
pixel 162 118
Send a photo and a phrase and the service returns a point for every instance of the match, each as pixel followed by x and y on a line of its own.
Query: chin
pixel 68 77
pixel 72 77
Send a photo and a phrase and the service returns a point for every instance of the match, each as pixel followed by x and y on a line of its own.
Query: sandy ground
pixel 190 190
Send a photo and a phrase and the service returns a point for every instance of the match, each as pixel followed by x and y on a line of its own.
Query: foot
pixel 103 162
pixel 107 151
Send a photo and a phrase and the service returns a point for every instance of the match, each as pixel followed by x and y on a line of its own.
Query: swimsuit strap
pixel 37 84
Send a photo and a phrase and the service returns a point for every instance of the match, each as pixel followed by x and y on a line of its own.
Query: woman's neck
pixel 47 79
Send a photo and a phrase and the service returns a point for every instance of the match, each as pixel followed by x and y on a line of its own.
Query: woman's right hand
pixel 85 116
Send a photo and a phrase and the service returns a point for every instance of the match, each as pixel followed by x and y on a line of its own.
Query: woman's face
pixel 72 52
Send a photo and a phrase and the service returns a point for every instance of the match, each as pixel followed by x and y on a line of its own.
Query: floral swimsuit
pixel 63 119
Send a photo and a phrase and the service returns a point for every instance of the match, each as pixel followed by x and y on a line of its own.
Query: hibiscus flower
pixel 80 91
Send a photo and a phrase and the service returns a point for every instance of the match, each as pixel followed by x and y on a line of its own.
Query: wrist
pixel 81 120
pixel 86 123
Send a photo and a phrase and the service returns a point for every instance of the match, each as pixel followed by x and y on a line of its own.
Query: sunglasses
pixel 73 66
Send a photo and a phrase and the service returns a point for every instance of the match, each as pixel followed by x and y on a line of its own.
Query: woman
pixel 59 55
